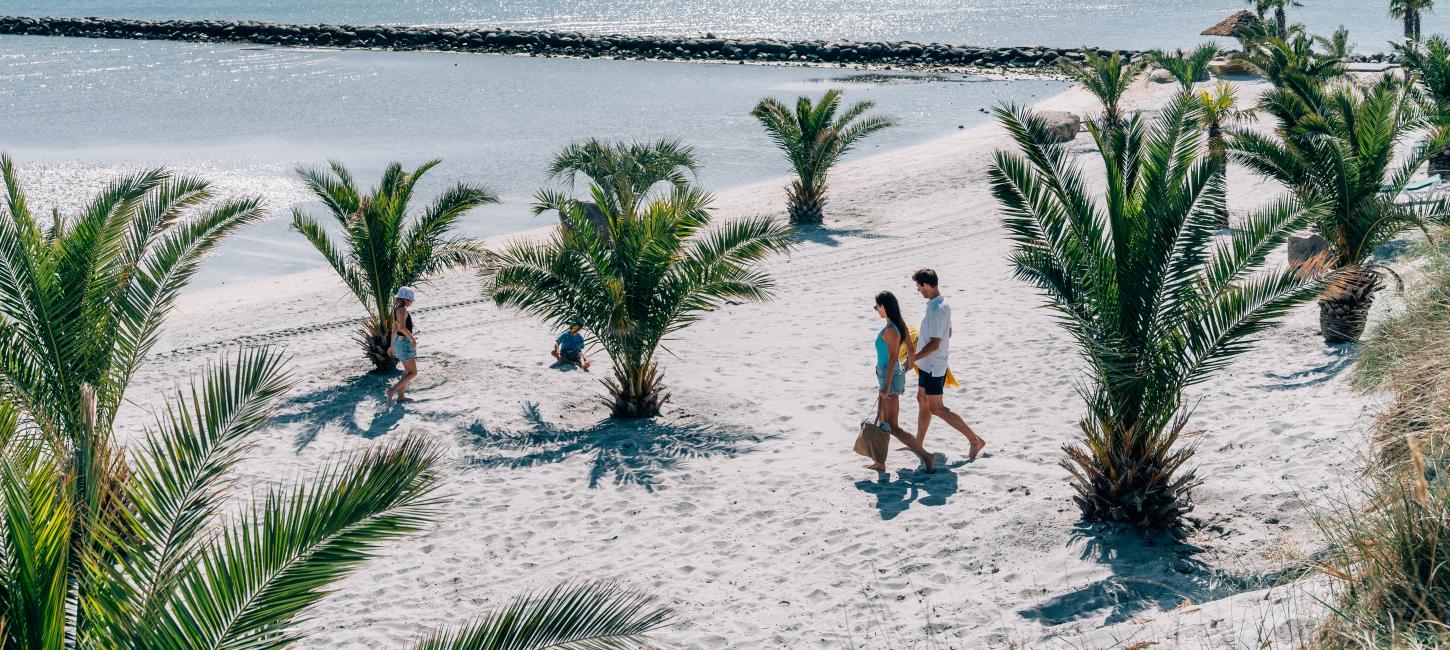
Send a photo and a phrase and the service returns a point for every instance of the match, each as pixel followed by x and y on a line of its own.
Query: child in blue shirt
pixel 569 347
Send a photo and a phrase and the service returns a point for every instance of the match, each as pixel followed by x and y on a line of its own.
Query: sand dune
pixel 744 505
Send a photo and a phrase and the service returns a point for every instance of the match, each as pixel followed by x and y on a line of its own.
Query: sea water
pixel 257 112
pixel 1135 24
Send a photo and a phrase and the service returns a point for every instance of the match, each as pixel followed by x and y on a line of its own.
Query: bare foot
pixel 390 397
pixel 930 464
pixel 977 446
pixel 878 467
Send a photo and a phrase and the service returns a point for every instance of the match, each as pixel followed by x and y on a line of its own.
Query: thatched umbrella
pixel 1234 25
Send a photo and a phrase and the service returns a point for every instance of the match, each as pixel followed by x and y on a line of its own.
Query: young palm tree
pixel 658 273
pixel 1336 147
pixel 81 298
pixel 1107 78
pixel 1187 67
pixel 384 247
pixel 105 547
pixel 1153 301
pixel 815 137
pixel 625 172
pixel 1217 112
pixel 1293 63
pixel 1409 11
pixel 1428 62
pixel 1336 45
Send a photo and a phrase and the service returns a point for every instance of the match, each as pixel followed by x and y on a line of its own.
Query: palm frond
pixel 587 616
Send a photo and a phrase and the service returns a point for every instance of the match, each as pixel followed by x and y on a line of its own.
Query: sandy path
pixel 744 505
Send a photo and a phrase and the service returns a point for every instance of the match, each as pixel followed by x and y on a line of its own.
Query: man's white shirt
pixel 936 323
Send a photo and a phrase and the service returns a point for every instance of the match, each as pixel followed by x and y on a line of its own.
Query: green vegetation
pixel 623 172
pixel 1107 78
pixel 1409 11
pixel 1388 553
pixel 1154 304
pixel 1187 68
pixel 814 136
pixel 104 546
pixel 384 247
pixel 1335 147
pixel 652 273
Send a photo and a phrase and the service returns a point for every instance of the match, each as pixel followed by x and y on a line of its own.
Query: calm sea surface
pixel 84 108
pixel 248 115
pixel 1106 23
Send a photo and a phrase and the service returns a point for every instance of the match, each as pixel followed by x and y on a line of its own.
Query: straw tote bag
pixel 873 442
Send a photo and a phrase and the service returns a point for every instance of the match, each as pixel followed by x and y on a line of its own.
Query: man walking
pixel 933 342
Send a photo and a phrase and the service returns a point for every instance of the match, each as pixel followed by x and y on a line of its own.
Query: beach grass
pixel 1389 554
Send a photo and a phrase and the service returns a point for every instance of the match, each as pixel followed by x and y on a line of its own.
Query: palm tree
pixel 1281 21
pixel 1409 11
pixel 1107 78
pixel 660 272
pixel 104 546
pixel 1154 303
pixel 626 172
pixel 386 247
pixel 1293 63
pixel 1217 112
pixel 1336 45
pixel 1428 62
pixel 1336 147
pixel 81 299
pixel 1187 67
pixel 814 137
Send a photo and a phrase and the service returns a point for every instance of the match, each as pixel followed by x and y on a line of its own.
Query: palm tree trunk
pixel 1281 23
pixel 373 337
pixel 806 205
pixel 1344 306
pixel 1440 163
pixel 636 392
pixel 1409 24
pixel 1128 475
pixel 1417 24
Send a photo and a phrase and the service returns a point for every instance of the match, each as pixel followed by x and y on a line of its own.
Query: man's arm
pixel 927 349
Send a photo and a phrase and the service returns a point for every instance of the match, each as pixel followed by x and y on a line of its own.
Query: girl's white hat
pixel 406 293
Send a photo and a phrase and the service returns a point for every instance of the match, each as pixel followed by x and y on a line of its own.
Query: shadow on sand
pixel 626 452
pixel 1342 357
pixel 893 497
pixel 1158 573
pixel 340 404
pixel 833 237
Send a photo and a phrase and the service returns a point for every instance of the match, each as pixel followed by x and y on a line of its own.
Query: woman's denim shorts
pixel 403 349
pixel 898 379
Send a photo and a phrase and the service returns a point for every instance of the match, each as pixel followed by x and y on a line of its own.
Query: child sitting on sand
pixel 569 347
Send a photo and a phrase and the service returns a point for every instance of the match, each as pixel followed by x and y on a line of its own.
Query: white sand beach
pixel 744 506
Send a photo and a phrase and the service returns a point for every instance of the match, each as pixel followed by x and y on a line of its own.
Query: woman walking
pixel 890 378
pixel 404 345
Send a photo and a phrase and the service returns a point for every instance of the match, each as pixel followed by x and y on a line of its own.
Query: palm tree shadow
pixel 337 405
pixel 894 497
pixel 1342 357
pixel 624 452
pixel 833 237
pixel 1156 572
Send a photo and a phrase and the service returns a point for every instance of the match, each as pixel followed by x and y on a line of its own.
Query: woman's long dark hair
pixel 887 301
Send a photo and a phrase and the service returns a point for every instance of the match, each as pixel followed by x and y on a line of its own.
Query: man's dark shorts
pixel 572 356
pixel 931 385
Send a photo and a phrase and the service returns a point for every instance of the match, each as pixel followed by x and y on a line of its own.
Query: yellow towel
pixel 951 380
